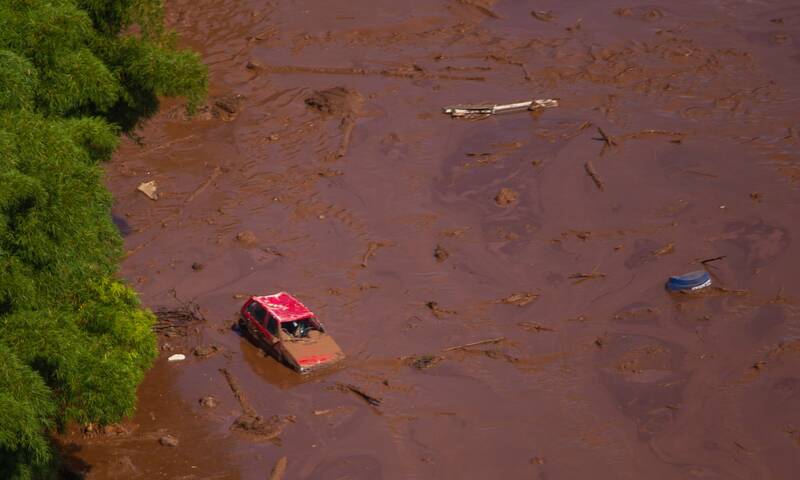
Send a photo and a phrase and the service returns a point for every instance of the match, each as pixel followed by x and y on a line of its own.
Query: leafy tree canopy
pixel 74 340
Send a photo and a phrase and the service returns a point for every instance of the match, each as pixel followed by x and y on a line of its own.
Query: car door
pixel 273 330
pixel 256 317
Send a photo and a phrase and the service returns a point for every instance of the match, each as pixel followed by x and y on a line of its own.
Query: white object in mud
pixel 485 109
pixel 178 357
pixel 150 189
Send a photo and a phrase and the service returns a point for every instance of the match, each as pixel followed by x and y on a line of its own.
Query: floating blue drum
pixel 689 281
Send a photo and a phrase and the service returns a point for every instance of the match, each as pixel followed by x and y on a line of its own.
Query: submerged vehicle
pixel 289 331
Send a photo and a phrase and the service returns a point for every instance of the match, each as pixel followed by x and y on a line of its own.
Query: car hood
pixel 316 350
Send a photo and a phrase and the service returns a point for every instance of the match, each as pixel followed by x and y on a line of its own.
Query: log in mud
pixel 606 374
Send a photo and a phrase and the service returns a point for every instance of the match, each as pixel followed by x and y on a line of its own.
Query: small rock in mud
pixel 208 401
pixel 423 362
pixel 197 266
pixel 228 104
pixel 168 441
pixel 338 101
pixel 205 350
pixel 506 197
pixel 246 237
pixel 600 342
pixel 440 253
pixel 253 65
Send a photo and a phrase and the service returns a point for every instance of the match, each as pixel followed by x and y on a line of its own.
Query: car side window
pixel 260 314
pixel 272 326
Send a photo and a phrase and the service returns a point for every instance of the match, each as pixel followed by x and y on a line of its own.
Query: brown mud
pixel 677 127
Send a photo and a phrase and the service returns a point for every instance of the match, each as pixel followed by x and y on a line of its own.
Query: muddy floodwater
pixel 323 165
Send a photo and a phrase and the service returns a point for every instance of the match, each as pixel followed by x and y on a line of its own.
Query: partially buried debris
pixel 440 253
pixel 486 109
pixel 506 197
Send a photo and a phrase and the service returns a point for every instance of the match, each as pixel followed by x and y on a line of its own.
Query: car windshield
pixel 299 328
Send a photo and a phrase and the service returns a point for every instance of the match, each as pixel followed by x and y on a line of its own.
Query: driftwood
pixel 347 387
pixel 594 176
pixel 474 344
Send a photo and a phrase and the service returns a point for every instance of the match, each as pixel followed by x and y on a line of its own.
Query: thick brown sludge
pixel 601 285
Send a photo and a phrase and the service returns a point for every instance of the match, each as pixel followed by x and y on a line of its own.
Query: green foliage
pixel 74 341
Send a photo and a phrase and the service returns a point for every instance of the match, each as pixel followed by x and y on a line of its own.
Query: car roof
pixel 284 307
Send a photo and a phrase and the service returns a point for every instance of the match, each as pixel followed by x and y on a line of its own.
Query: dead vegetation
pixel 172 322
pixel 582 277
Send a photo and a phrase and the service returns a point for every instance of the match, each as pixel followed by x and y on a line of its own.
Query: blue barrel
pixel 689 281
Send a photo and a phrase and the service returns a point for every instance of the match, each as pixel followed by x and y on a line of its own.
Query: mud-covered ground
pixel 387 218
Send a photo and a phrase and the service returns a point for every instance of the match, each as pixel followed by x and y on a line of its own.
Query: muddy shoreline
pixel 409 232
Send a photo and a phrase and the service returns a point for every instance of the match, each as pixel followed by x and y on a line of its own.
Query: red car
pixel 289 331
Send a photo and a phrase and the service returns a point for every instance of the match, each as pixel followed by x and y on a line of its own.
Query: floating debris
pixel 581 277
pixel 543 16
pixel 535 327
pixel 486 109
pixel 519 299
pixel 441 254
pixel 689 282
pixel 665 250
pixel 589 167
